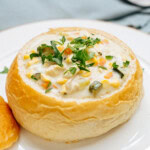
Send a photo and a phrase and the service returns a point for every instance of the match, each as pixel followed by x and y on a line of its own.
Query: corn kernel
pixel 68 60
pixel 26 56
pixel 62 81
pixel 93 60
pixel 110 65
pixel 102 61
pixel 29 74
pixel 60 48
pixel 33 51
pixel 105 81
pixel 115 84
pixel 87 74
pixel 84 37
pixel 33 61
pixel 28 64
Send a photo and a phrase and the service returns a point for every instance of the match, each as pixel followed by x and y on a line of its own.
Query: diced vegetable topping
pixel 70 58
pixel 115 68
pixel 126 63
pixel 36 76
pixel 102 67
pixel 72 70
pixel 109 57
pixel 95 86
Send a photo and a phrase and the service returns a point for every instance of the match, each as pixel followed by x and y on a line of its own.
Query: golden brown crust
pixel 68 121
pixel 9 129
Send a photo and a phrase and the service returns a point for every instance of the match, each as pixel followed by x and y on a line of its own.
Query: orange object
pixel 68 51
pixel 9 129
pixel 45 85
pixel 108 75
pixel 55 86
pixel 60 48
pixel 102 61
pixel 84 37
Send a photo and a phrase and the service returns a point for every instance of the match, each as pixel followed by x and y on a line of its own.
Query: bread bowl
pixel 9 129
pixel 80 85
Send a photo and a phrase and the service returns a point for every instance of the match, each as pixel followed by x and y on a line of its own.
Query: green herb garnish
pixel 126 63
pixel 72 70
pixel 5 70
pixel 87 42
pixel 78 46
pixel 48 90
pixel 34 55
pixel 63 39
pixel 50 53
pixel 102 67
pixel 115 68
pixel 36 76
pixel 109 57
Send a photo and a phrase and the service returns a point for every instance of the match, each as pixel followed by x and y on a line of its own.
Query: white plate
pixel 133 135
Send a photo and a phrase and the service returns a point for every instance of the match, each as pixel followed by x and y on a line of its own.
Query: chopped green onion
pixel 36 76
pixel 114 65
pixel 5 70
pixel 109 57
pixel 48 90
pixel 102 67
pixel 126 63
pixel 72 70
pixel 119 72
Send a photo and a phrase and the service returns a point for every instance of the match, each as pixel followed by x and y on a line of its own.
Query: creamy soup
pixel 75 65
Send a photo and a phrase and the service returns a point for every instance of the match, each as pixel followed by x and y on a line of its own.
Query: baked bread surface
pixel 9 129
pixel 58 120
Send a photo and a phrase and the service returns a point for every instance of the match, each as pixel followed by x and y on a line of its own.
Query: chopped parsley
pixel 126 63
pixel 115 68
pixel 50 53
pixel 114 65
pixel 87 42
pixel 36 76
pixel 109 57
pixel 63 39
pixel 102 67
pixel 5 70
pixel 48 90
pixel 78 46
pixel 72 70
pixel 34 55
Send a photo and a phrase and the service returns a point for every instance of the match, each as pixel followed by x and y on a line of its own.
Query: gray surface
pixel 18 12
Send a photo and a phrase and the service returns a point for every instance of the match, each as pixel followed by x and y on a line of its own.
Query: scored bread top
pixel 76 64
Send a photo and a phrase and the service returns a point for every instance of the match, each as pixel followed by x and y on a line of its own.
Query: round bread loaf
pixel 74 83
